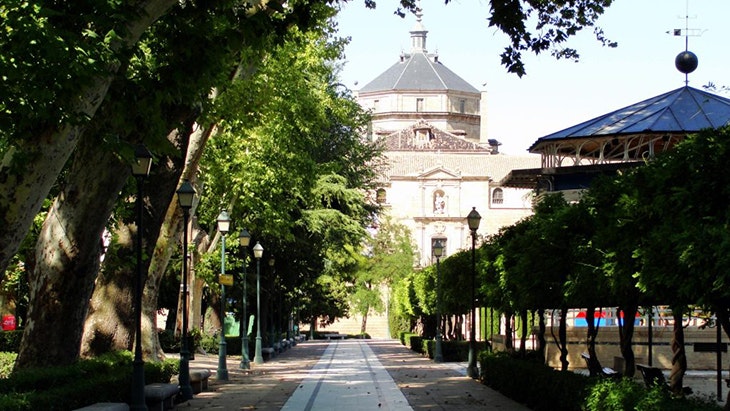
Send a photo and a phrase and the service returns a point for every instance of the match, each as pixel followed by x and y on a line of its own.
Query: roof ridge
pixel 431 66
pixel 402 72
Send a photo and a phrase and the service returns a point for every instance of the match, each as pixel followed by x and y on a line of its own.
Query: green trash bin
pixel 231 327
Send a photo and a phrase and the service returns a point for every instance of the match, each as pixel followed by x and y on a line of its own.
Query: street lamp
pixel 245 239
pixel 185 197
pixel 272 300
pixel 473 220
pixel 438 251
pixel 140 169
pixel 258 252
pixel 224 223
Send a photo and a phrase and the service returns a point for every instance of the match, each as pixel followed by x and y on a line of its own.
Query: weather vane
pixel 686 61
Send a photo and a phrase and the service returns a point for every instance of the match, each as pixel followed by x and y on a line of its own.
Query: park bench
pixel 199 380
pixel 332 336
pixel 105 406
pixel 654 376
pixel 160 396
pixel 601 371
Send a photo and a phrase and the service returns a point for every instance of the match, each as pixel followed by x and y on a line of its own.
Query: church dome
pixel 418 70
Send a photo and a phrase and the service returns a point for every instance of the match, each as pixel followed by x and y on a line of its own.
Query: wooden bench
pixel 105 406
pixel 654 376
pixel 601 371
pixel 160 397
pixel 331 336
pixel 199 380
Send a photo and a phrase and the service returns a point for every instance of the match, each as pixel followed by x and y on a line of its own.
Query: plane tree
pixel 60 60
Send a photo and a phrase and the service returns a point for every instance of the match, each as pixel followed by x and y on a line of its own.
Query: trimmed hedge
pixel 533 383
pixel 453 351
pixel 107 378
pixel 540 387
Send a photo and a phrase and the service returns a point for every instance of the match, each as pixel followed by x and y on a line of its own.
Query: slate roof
pixel 418 72
pixel 684 110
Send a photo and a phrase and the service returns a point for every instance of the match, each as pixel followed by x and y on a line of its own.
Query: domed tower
pixel 419 88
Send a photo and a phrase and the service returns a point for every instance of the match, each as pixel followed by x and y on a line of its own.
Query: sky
pixel 555 94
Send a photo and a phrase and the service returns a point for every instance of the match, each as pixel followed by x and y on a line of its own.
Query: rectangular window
pixel 419 105
pixel 462 106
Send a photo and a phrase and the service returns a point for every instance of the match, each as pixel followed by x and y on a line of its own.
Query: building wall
pixel 398 110
pixel 412 201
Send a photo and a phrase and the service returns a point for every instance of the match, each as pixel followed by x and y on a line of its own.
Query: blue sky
pixel 554 94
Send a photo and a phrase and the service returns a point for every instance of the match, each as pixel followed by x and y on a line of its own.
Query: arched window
pixel 439 202
pixel 497 196
pixel 380 196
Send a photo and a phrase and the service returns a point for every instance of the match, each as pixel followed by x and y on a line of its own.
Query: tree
pixel 388 257
pixel 612 201
pixel 71 239
pixel 59 62
pixel 683 205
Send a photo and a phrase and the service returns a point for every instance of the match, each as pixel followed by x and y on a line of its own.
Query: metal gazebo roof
pixel 622 138
pixel 684 110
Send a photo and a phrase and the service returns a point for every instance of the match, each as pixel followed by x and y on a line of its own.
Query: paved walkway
pixel 351 375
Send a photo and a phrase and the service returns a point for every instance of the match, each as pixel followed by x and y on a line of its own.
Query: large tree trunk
pixel 30 167
pixel 183 168
pixel 594 365
pixel 99 327
pixel 508 343
pixel 523 332
pixel 626 336
pixel 561 340
pixel 67 257
pixel 679 356
pixel 541 333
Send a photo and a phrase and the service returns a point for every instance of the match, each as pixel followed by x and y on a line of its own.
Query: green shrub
pixel 539 387
pixel 168 341
pixel 612 395
pixel 452 351
pixel 415 343
pixel 101 379
pixel 533 383
pixel 625 394
pixel 7 362
pixel 10 341
pixel 405 338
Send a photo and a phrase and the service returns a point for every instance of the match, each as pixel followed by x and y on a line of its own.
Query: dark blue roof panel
pixel 685 109
pixel 418 72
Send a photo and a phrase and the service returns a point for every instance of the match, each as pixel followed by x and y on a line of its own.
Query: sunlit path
pixel 347 377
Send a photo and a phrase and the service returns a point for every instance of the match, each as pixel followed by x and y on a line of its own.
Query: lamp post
pixel 224 223
pixel 258 252
pixel 438 251
pixel 473 220
pixel 140 169
pixel 245 239
pixel 272 300
pixel 185 197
